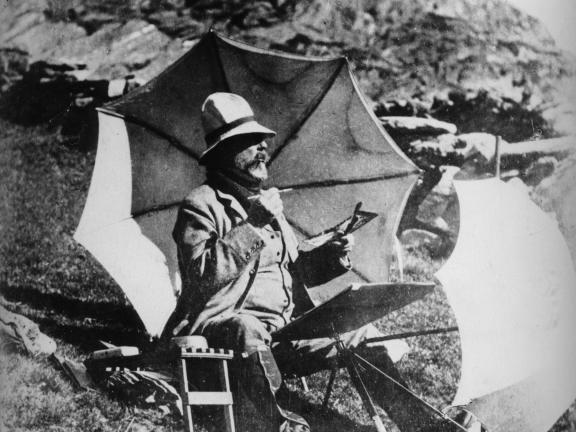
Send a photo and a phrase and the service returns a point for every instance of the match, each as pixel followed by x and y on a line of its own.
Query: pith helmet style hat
pixel 225 115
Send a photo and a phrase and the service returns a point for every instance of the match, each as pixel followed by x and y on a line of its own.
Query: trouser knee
pixel 239 332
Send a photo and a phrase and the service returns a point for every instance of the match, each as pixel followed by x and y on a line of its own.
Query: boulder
pixel 413 239
pixel 488 109
pixel 440 202
pixel 116 50
pixel 435 151
pixel 557 193
pixel 562 116
pixel 21 333
pixel 477 143
pixel 25 26
pixel 177 23
pixel 13 64
pixel 417 126
pixel 52 91
pixel 539 169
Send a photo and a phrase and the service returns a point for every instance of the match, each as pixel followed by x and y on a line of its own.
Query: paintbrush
pixel 253 197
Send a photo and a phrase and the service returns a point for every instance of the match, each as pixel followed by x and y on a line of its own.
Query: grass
pixel 45 275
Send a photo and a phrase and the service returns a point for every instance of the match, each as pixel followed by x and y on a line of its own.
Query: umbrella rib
pixel 308 112
pixel 307 234
pixel 155 209
pixel 325 183
pixel 219 60
pixel 330 182
pixel 156 131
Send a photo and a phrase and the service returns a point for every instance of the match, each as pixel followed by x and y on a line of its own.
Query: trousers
pixel 259 374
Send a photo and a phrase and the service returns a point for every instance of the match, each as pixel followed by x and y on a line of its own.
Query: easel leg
pixel 362 391
pixel 328 393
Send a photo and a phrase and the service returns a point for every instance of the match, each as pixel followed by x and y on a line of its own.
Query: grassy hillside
pixel 47 276
pixel 51 279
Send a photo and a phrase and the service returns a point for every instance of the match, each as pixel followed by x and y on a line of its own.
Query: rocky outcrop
pixel 556 193
pixel 417 125
pixel 462 71
pixel 442 57
pixel 422 50
pixel 22 334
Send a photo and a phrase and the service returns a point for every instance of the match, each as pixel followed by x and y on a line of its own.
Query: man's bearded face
pixel 252 161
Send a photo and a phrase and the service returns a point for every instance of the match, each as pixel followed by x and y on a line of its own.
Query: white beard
pixel 259 172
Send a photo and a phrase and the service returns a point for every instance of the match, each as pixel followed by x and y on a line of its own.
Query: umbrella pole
pixel 497 153
pixel 399 258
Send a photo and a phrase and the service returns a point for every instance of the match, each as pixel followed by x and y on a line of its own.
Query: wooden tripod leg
pixel 352 367
pixel 328 393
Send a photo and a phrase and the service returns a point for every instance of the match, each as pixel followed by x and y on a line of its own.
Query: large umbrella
pixel 512 286
pixel 330 149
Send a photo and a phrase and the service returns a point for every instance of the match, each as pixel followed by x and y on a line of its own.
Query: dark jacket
pixel 218 250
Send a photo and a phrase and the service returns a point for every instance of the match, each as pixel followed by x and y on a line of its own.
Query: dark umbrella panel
pixel 329 148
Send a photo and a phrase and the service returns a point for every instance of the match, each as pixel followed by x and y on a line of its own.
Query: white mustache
pixel 260 158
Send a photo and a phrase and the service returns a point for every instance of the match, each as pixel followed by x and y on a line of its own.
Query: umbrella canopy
pixel 511 284
pixel 329 147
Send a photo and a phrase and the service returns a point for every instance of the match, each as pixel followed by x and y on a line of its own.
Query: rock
pixel 23 334
pixel 417 126
pixel 402 107
pixel 52 91
pixel 432 207
pixel 177 23
pixel 24 26
pixel 477 143
pixel 117 50
pixel 415 238
pixel 519 185
pixel 562 117
pixel 539 170
pixel 478 150
pixel 174 4
pixel 94 21
pixel 557 193
pixel 433 151
pixel 479 64
pixel 13 64
pixel 440 198
pixel 259 14
pixel 488 111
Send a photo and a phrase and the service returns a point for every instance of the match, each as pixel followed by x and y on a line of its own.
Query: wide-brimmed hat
pixel 225 115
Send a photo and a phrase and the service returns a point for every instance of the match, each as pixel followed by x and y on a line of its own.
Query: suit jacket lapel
pixel 232 202
pixel 290 240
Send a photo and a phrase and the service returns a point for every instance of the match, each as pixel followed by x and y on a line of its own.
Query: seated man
pixel 244 277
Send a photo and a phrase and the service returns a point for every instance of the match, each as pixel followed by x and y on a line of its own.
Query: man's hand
pixel 265 207
pixel 342 244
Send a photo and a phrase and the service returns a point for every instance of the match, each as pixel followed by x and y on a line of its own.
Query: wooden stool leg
pixel 228 409
pixel 184 389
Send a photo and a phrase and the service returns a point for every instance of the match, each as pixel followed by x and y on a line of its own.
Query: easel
pixel 352 361
pixel 352 308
